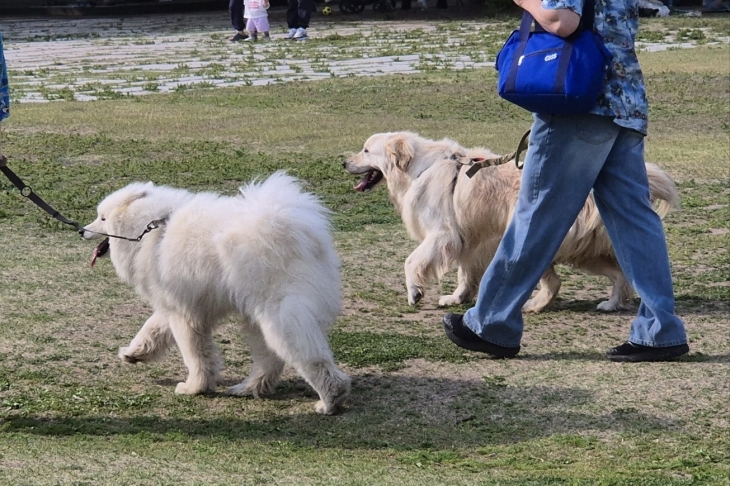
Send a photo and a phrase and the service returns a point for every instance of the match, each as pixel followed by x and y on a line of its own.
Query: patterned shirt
pixel 4 89
pixel 624 95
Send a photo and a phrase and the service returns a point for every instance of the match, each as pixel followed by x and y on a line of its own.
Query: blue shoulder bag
pixel 545 73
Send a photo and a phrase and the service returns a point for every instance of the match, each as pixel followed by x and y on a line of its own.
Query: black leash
pixel 150 226
pixel 27 191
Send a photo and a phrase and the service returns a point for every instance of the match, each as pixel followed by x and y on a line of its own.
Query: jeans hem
pixel 478 333
pixel 658 345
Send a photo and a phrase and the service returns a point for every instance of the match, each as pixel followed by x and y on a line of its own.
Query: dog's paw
pixel 447 300
pixel 184 388
pixel 533 306
pixel 322 408
pixel 256 385
pixel 332 404
pixel 242 390
pixel 415 296
pixel 608 306
pixel 127 358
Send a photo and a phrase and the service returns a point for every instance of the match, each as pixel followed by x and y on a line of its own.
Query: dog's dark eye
pixel 366 151
pixel 103 218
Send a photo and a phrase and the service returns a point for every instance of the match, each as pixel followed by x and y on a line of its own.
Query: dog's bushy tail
pixel 663 191
pixel 280 190
pixel 285 240
pixel 278 211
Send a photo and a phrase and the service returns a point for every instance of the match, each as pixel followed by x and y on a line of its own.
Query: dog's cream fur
pixel 460 221
pixel 266 254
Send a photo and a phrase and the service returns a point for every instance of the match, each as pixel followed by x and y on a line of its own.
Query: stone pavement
pixel 102 58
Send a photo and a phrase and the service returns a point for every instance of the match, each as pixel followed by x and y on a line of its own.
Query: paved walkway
pixel 89 59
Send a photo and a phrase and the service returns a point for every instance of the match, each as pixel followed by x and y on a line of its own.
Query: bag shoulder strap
pixel 586 20
pixel 588 16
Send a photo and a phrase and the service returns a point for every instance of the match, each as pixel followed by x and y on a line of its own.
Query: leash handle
pixel 521 147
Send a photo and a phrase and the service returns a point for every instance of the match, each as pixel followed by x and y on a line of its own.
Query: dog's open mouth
pixel 370 180
pixel 100 250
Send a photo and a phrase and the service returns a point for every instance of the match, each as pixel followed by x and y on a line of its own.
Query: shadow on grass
pixel 691 304
pixel 692 357
pixel 685 304
pixel 398 412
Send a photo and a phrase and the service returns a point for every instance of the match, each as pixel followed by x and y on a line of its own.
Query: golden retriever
pixel 460 221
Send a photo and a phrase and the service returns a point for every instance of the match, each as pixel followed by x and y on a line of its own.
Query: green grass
pixel 422 411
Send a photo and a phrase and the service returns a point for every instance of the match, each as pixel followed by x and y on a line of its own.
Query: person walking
pixel 298 15
pixel 569 156
pixel 257 19
pixel 235 10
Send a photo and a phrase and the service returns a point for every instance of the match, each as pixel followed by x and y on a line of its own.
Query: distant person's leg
pixel 252 30
pixel 292 17
pixel 235 10
pixel 304 12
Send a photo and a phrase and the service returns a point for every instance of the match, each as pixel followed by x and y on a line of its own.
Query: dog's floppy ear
pixel 401 151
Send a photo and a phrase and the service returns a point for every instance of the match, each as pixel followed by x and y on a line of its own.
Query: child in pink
pixel 257 19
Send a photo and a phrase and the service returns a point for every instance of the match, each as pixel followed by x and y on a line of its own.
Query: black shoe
pixel 465 338
pixel 635 353
pixel 239 37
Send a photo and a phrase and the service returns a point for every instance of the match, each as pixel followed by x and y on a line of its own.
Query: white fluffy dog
pixel 460 221
pixel 266 254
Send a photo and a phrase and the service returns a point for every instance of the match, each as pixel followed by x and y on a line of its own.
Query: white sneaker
pixel 301 33
pixel 291 34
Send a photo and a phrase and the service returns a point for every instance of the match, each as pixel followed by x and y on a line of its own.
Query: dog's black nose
pixel 344 164
pixel 82 231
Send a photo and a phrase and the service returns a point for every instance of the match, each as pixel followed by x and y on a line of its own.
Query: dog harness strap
pixel 152 225
pixel 521 147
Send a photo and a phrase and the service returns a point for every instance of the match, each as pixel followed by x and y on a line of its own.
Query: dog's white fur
pixel 460 221
pixel 266 254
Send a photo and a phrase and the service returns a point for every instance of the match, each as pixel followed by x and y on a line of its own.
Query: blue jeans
pixel 568 156
pixel 4 87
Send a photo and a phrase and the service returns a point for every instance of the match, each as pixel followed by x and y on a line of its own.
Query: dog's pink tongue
pixel 100 250
pixel 94 256
pixel 362 185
